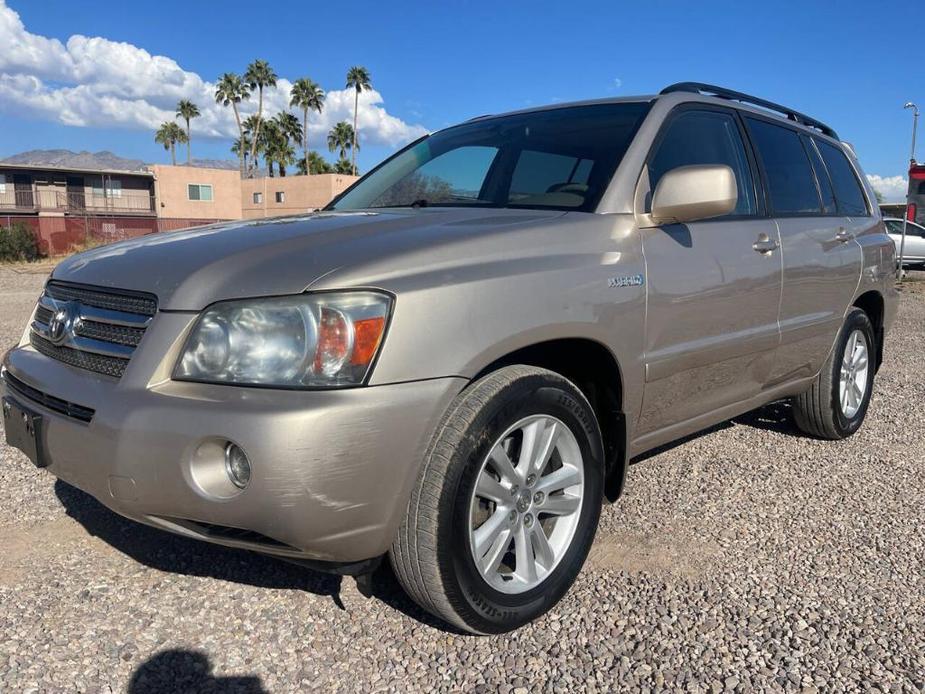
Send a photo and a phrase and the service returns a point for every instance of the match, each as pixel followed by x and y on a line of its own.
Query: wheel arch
pixel 871 302
pixel 594 369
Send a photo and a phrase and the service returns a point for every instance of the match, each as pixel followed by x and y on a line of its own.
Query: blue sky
pixel 436 63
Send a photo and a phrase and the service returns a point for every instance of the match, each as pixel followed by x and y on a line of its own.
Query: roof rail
pixel 723 93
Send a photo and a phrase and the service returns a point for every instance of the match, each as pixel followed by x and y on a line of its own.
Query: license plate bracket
pixel 24 430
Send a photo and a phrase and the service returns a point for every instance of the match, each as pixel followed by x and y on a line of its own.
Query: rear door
pixel 821 259
pixel 713 296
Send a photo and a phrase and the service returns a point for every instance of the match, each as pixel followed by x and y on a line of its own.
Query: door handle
pixel 764 245
pixel 844 235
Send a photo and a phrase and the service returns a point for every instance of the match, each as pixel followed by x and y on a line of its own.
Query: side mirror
pixel 690 193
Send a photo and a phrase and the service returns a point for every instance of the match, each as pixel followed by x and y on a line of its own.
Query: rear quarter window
pixel 848 193
pixel 790 179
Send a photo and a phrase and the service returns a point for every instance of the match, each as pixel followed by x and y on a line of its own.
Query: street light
pixel 915 122
pixel 902 243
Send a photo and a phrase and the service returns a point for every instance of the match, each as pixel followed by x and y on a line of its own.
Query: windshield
pixel 559 159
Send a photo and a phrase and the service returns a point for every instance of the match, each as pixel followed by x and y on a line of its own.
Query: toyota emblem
pixel 62 323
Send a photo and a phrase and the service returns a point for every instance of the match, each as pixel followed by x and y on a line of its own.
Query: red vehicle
pixel 916 210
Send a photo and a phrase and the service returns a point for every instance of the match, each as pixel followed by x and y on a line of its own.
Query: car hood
pixel 188 270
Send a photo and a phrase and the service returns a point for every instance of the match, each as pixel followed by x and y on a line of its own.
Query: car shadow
pixel 776 417
pixel 181 670
pixel 164 551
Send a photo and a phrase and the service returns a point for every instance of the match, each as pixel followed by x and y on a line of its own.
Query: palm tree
pixel 269 133
pixel 341 139
pixel 316 164
pixel 241 150
pixel 358 79
pixel 307 96
pixel 283 154
pixel 259 75
pixel 346 167
pixel 169 134
pixel 231 90
pixel 289 126
pixel 250 129
pixel 187 110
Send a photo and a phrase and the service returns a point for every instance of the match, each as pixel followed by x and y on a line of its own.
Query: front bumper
pixel 331 470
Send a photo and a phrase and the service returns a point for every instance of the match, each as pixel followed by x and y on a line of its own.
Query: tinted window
pixel 848 191
pixel 893 227
pixel 561 158
pixel 544 172
pixel 705 137
pixel 791 183
pixel 829 206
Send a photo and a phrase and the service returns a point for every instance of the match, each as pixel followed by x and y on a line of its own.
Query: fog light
pixel 237 466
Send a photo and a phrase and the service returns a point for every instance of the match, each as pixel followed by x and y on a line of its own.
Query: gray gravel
pixel 748 557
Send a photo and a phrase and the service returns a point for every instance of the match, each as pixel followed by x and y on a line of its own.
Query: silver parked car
pixel 454 362
pixel 914 248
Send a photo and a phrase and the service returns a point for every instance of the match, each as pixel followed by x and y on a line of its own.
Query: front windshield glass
pixel 558 159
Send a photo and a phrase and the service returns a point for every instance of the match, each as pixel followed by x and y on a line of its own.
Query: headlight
pixel 307 341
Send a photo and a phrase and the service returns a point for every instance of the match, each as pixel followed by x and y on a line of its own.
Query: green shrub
pixel 18 242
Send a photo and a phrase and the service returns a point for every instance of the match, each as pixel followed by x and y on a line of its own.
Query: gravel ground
pixel 747 557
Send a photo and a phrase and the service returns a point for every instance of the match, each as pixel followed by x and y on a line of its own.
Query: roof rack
pixel 723 93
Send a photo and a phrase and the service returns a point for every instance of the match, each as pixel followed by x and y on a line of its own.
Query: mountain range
pixel 66 158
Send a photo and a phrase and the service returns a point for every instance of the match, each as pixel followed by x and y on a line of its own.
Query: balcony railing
pixel 117 202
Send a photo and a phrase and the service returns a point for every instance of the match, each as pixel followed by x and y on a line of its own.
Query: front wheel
pixel 835 405
pixel 507 503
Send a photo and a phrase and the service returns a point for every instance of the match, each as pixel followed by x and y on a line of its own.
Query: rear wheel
pixel 506 504
pixel 835 405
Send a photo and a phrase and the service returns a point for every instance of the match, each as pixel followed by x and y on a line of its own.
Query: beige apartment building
pixel 271 197
pixel 187 192
pixel 68 208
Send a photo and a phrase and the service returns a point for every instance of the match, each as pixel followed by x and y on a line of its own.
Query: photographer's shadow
pixel 179 670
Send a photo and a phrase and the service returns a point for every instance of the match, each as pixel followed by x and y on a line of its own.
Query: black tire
pixel 431 556
pixel 818 412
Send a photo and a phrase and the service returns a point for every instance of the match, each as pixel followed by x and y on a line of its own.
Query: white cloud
pixel 892 188
pixel 95 82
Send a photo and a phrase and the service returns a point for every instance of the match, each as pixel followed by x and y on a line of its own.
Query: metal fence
pixel 61 235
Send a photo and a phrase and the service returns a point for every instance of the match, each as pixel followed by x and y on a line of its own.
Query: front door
pixel 76 194
pixel 22 187
pixel 713 286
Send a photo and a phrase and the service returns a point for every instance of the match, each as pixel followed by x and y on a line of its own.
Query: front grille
pixel 92 328
pixel 101 364
pixel 112 299
pixel 70 409
pixel 106 332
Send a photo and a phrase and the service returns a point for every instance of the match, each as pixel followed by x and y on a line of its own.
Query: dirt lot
pixel 746 557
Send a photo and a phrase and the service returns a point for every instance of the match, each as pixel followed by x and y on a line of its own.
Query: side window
pixel 848 193
pixel 538 173
pixel 705 137
pixel 893 227
pixel 829 206
pixel 791 183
